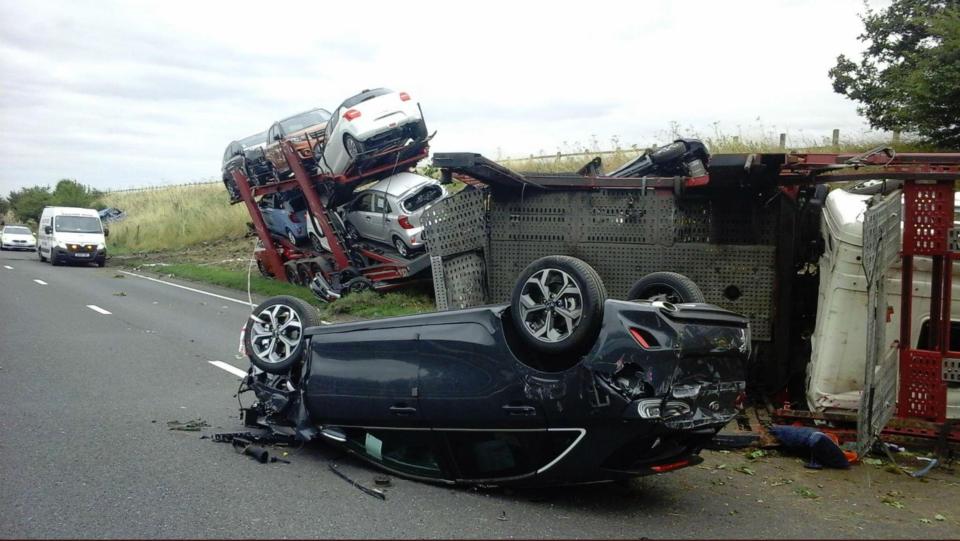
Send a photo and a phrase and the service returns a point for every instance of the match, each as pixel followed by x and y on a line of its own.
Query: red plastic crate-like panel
pixel 923 394
pixel 928 215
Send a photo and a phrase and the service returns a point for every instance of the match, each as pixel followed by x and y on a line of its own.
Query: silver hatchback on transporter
pixel 389 211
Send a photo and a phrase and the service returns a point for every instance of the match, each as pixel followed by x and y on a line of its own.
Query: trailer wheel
pixel 263 269
pixel 304 275
pixel 557 306
pixel 358 284
pixel 273 335
pixel 666 286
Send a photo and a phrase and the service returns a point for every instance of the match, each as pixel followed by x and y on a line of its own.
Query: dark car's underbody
pixel 456 397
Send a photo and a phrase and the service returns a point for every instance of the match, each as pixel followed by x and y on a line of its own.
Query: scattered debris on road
pixel 375 492
pixel 189 426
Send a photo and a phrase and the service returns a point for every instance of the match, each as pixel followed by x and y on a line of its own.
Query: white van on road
pixel 69 234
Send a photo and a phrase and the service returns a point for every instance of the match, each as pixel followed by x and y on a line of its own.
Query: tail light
pixel 351 114
pixel 404 222
pixel 294 218
pixel 644 338
pixel 660 468
pixel 404 96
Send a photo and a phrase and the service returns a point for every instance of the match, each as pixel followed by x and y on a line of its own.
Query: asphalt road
pixel 85 450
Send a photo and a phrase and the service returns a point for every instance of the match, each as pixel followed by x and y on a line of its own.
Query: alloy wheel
pixel 278 333
pixel 551 305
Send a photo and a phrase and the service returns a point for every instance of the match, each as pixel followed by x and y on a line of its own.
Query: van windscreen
pixel 77 224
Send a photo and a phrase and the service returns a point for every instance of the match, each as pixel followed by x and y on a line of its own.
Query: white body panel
pixel 837 361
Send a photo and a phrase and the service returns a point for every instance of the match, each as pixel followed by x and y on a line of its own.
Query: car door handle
pixel 519 410
pixel 367 218
pixel 403 410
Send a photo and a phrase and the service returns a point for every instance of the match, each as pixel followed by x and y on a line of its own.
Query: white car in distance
pixel 365 124
pixel 17 237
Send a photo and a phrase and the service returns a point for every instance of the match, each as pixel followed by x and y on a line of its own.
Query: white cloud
pixel 141 93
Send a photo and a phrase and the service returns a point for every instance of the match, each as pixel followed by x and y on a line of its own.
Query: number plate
pixel 81 255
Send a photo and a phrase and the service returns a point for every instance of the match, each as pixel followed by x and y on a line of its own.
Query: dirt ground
pixel 231 254
pixel 851 499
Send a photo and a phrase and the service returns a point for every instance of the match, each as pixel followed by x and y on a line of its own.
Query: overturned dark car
pixel 561 386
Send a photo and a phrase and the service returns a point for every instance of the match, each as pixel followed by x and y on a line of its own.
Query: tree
pixel 4 206
pixel 909 76
pixel 70 193
pixel 28 203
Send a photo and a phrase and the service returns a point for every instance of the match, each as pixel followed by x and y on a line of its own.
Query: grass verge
pixel 364 305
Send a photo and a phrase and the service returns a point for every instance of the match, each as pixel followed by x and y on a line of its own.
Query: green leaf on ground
pixel 746 470
pixel 806 493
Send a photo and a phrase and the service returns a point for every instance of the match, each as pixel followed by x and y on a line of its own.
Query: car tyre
pixel 557 306
pixel 276 342
pixel 291 237
pixel 53 258
pixel 352 232
pixel 263 269
pixel 353 147
pixel 401 246
pixel 666 286
pixel 316 243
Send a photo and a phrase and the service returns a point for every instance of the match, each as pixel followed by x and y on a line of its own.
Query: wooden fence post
pixel 783 141
pixel 836 138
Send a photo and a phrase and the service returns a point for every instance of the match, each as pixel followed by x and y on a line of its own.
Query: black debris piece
pixel 376 493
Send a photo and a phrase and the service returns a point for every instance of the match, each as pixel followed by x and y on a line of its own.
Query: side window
pixel 332 123
pixel 414 452
pixel 493 455
pixel 380 204
pixel 365 204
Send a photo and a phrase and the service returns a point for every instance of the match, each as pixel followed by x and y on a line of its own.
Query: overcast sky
pixel 134 93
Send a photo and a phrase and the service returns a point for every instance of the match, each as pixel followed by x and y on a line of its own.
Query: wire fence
pixel 164 186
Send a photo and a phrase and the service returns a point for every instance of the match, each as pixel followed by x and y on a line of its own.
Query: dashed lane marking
pixel 229 368
pixel 96 308
pixel 8 267
pixel 41 282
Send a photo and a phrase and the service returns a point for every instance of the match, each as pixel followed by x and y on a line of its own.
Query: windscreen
pixel 256 139
pixel 298 204
pixel 364 96
pixel 422 198
pixel 304 120
pixel 77 224
pixel 16 230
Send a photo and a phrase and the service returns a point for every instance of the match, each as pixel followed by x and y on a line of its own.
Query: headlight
pixel 297 139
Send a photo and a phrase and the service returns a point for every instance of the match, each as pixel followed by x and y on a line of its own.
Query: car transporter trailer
pixel 349 264
pixel 746 230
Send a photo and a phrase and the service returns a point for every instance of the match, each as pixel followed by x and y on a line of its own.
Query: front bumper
pixel 19 245
pixel 59 254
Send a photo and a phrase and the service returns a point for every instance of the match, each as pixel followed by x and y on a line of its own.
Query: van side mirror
pixel 106 231
pixel 47 229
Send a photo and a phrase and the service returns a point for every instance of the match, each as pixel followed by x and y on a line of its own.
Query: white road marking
pixel 238 301
pixel 8 267
pixel 96 308
pixel 229 368
pixel 41 282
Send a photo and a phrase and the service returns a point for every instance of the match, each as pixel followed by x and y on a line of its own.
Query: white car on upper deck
pixel 365 124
